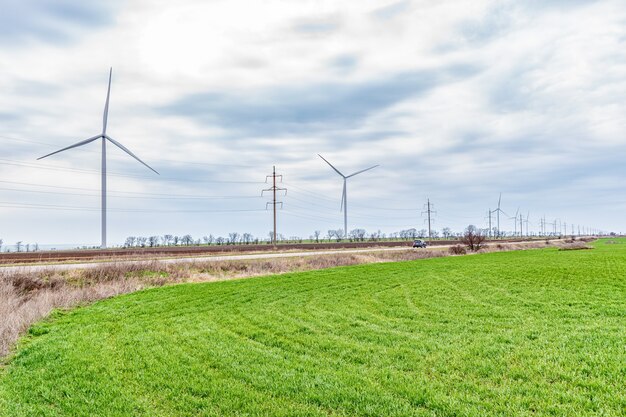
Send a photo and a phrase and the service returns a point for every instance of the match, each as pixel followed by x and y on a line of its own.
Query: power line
pixel 333 220
pixel 120 192
pixel 178 161
pixel 363 216
pixel 132 197
pixel 6 204
pixel 96 172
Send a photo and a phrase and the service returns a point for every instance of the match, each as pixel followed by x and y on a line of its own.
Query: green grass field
pixel 529 333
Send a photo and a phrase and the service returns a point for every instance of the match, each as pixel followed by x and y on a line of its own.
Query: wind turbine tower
pixel 344 195
pixel 526 222
pixel 498 210
pixel 104 138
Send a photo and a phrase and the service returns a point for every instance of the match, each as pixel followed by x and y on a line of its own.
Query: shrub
pixel 457 250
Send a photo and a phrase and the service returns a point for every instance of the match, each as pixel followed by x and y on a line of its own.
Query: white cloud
pixel 525 98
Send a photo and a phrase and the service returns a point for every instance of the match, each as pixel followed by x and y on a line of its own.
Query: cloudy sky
pixel 457 101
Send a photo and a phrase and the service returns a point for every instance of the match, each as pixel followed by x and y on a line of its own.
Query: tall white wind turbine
pixel 344 195
pixel 104 138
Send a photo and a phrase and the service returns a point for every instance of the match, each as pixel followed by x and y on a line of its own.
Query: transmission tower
pixel 274 203
pixel 428 210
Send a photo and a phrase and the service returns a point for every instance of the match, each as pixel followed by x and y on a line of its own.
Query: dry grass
pixel 575 246
pixel 26 298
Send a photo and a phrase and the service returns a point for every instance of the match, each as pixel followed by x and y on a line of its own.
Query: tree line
pixel 236 238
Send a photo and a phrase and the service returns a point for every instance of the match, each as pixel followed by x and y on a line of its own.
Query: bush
pixel 575 246
pixel 457 250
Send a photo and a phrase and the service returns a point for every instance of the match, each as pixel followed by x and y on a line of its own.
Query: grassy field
pixel 527 333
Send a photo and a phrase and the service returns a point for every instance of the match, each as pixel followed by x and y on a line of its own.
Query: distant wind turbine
pixel 499 210
pixel 104 138
pixel 527 221
pixel 344 195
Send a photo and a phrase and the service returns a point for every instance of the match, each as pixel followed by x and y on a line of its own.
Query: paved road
pixel 73 266
pixel 209 258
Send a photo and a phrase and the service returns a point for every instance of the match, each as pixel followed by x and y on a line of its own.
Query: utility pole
pixel 554 225
pixel 429 212
pixel 274 203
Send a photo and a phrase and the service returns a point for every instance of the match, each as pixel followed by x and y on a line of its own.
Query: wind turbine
pixel 498 210
pixel 344 195
pixel 104 138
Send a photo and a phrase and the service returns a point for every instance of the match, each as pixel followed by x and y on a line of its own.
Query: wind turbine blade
pixel 105 117
pixel 76 145
pixel 331 165
pixel 122 147
pixel 363 170
pixel 499 200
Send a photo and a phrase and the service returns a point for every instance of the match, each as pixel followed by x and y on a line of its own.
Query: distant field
pixel 539 332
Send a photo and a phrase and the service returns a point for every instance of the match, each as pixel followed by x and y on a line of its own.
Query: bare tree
pixel 473 238
pixel 176 240
pixel 233 238
pixel 166 239
pixel 316 235
pixel 141 241
pixel 187 240
pixel 130 242
pixel 1 242
pixel 408 234
pixel 28 247
pixel 153 241
pixel 220 240
pixel 358 234
pixel 446 232
pixel 36 248
pixel 422 233
pixel 18 246
pixel 247 238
